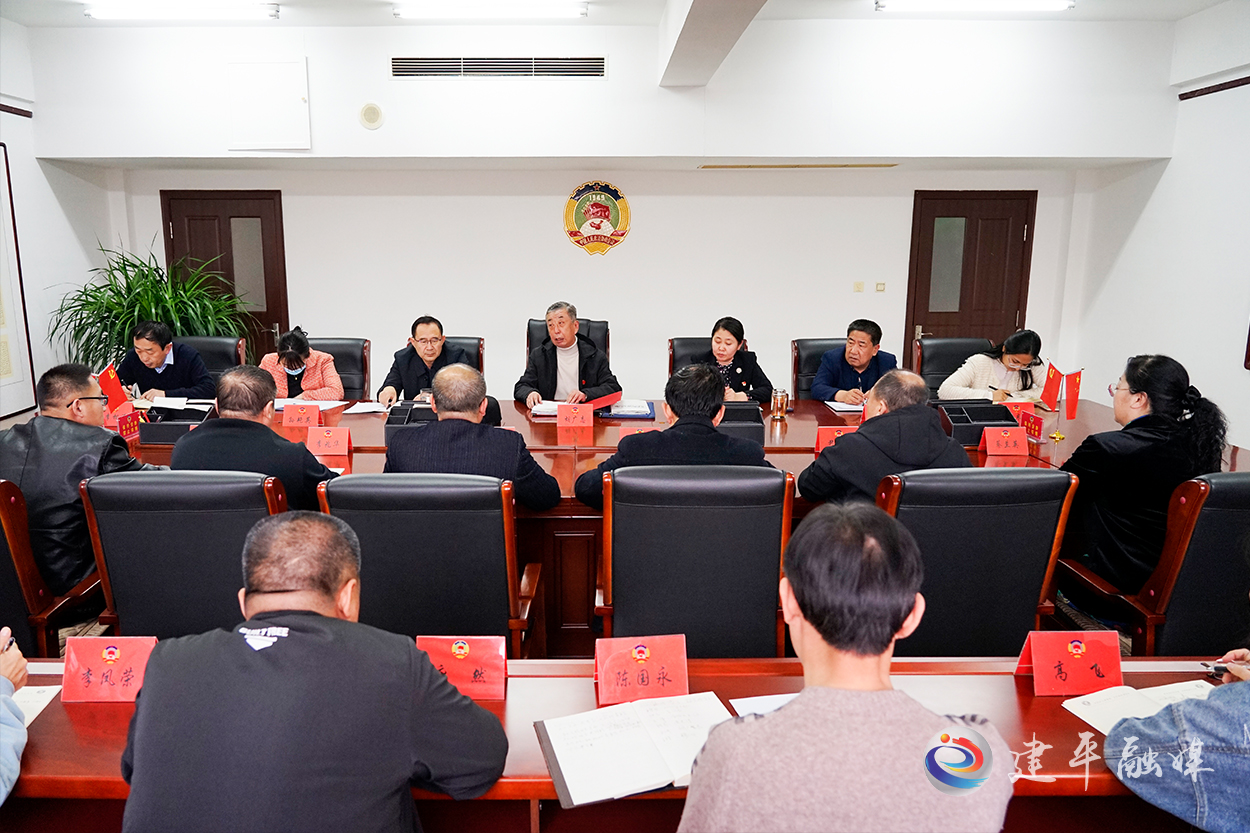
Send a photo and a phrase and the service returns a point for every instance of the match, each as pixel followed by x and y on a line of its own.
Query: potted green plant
pixel 94 322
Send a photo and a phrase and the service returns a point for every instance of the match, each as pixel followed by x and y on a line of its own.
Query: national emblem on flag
pixel 1050 392
pixel 111 386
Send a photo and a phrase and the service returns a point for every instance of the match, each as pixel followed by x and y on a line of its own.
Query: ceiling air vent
pixel 528 67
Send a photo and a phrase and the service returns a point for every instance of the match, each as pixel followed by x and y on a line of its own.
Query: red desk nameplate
pixel 294 414
pixel 827 435
pixel 579 415
pixel 638 667
pixel 605 401
pixel 996 441
pixel 128 424
pixel 1071 662
pixel 626 430
pixel 104 669
pixel 1018 408
pixel 476 665
pixel 1032 424
pixel 329 442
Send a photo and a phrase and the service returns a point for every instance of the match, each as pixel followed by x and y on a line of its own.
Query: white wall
pixel 1212 42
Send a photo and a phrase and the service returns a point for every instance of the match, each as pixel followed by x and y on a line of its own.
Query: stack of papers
pixel 546 408
pixel 844 408
pixel 633 409
pixel 366 408
pixel 32 699
pixel 1103 709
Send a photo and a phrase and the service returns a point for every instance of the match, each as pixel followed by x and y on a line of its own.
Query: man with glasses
pixel 415 366
pixel 48 457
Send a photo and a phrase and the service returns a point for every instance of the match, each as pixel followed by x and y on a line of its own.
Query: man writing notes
pixel 300 718
pixel 846 372
pixel 241 440
pixel 898 433
pixel 415 366
pixel 161 367
pixel 566 367
pixel 49 456
pixel 694 402
pixel 850 753
pixel 460 444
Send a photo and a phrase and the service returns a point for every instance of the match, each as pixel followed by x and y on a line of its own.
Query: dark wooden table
pixel 75 749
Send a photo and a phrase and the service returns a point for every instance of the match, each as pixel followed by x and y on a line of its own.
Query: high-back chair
pixel 696 550
pixel 936 358
pixel 220 353
pixel 26 604
pixel 989 539
pixel 475 347
pixel 351 361
pixel 596 331
pixel 805 355
pixel 1195 603
pixel 685 351
pixel 169 545
pixel 438 555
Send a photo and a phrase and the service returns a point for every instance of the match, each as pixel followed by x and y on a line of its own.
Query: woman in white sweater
pixel 1005 372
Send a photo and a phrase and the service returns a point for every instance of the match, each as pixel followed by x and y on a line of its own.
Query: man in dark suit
pixel 694 405
pixel 846 372
pixel 459 443
pixel 241 440
pixel 898 433
pixel 566 367
pixel 161 367
pixel 417 364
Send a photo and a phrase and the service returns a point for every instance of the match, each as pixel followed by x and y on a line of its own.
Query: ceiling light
pixel 975 5
pixel 491 10
pixel 151 10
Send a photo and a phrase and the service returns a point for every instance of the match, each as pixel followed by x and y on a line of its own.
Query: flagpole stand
pixel 1057 435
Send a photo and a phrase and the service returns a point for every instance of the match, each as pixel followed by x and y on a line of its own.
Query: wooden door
pixel 243 229
pixel 970 254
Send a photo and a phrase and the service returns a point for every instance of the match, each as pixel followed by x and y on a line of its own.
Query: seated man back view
pixel 694 404
pixel 459 443
pixel 300 718
pixel 241 440
pixel 849 753
pixel 898 433
pixel 48 457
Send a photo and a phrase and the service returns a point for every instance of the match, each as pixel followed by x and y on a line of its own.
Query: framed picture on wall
pixel 17 378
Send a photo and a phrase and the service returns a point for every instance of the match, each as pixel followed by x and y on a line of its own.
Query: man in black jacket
pixel 241 440
pixel 161 367
pixel 416 365
pixel 300 718
pixel 898 433
pixel 694 405
pixel 566 367
pixel 460 444
pixel 48 457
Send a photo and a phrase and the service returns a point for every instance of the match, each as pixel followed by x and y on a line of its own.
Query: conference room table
pixel 567 540
pixel 71 778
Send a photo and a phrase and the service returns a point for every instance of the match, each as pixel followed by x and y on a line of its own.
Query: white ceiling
pixel 60 13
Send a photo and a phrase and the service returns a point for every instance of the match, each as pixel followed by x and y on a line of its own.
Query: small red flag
pixel 112 387
pixel 1050 393
pixel 1073 393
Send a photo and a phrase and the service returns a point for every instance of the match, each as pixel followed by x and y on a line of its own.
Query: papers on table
pixel 762 704
pixel 336 471
pixel 181 403
pixel 546 408
pixel 626 749
pixel 32 699
pixel 323 404
pixel 845 408
pixel 633 409
pixel 1103 709
pixel 366 408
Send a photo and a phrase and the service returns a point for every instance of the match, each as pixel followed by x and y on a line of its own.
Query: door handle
pixel 919 332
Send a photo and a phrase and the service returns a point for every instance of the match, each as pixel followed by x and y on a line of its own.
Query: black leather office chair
pixel 26 604
pixel 596 331
pixel 351 360
pixel 475 347
pixel 936 358
pixel 438 554
pixel 805 354
pixel 684 351
pixel 168 545
pixel 1195 602
pixel 989 539
pixel 220 353
pixel 696 550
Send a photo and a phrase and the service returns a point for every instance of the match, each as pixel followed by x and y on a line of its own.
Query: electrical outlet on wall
pixel 858 286
pixel 881 287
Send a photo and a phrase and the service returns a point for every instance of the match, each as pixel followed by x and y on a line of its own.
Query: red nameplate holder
pixel 128 424
pixel 1018 408
pixel 1031 423
pixel 638 667
pixel 575 415
pixel 996 441
pixel 104 669
pixel 329 442
pixel 605 401
pixel 476 665
pixel 294 414
pixel 827 435
pixel 1071 662
pixel 626 430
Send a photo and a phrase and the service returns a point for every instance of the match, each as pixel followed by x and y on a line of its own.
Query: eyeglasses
pixel 429 342
pixel 1015 365
pixel 101 399
pixel 1114 387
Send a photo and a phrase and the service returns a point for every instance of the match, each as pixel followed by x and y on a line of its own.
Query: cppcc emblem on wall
pixel 596 217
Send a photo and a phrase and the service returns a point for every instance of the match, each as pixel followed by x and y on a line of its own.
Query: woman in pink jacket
pixel 301 372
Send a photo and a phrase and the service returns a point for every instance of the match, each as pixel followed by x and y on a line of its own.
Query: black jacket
pixel 897 441
pixel 1119 516
pixel 242 445
pixel 187 376
pixel 690 441
pixel 409 375
pixel 300 722
pixel 595 378
pixel 745 375
pixel 457 446
pixel 47 458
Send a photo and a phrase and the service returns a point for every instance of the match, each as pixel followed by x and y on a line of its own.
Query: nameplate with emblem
pixel 294 414
pixel 476 665
pixel 1071 662
pixel 639 667
pixel 575 415
pixel 1032 424
pixel 104 669
pixel 995 441
pixel 329 442
pixel 626 430
pixel 827 435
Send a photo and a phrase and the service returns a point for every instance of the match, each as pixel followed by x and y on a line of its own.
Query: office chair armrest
pixel 1083 581
pixel 600 608
pixel 529 589
pixel 84 591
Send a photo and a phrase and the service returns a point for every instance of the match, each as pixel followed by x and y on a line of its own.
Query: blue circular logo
pixel 958 760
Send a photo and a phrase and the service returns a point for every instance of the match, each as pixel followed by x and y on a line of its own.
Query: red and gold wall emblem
pixel 596 217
